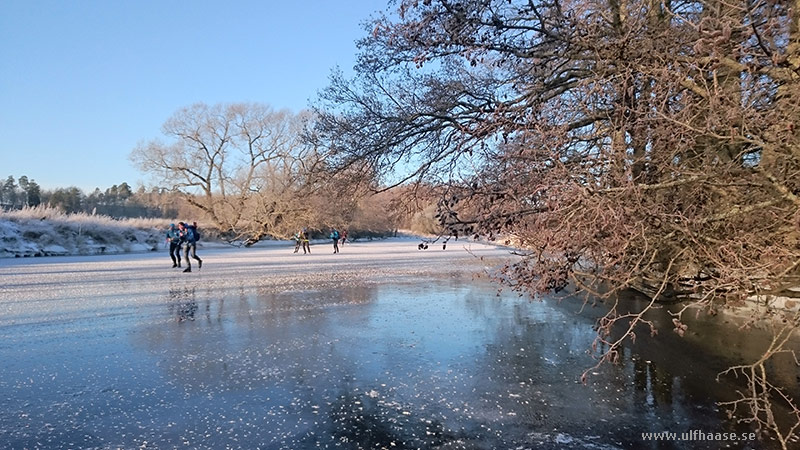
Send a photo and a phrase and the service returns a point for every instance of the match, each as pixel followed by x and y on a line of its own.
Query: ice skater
pixel 189 241
pixel 335 237
pixel 174 240
pixel 304 235
pixel 298 241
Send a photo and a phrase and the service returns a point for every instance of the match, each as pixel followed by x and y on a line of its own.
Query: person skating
pixel 189 240
pixel 306 244
pixel 174 240
pixel 344 236
pixel 298 241
pixel 335 237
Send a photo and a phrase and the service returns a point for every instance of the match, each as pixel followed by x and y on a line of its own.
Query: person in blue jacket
pixel 174 240
pixel 335 237
pixel 189 241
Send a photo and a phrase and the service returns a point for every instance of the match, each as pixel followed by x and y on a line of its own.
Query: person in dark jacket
pixel 174 240
pixel 189 241
pixel 305 236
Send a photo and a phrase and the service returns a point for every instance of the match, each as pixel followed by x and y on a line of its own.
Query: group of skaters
pixel 183 236
pixel 302 239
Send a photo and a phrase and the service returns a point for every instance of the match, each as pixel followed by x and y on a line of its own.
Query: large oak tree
pixel 641 144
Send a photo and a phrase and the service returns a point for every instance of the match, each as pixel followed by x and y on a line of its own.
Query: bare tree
pixel 243 165
pixel 624 144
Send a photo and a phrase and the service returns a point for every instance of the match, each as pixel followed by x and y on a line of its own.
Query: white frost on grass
pixel 42 231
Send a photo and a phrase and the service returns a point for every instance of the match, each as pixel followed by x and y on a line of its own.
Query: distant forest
pixel 116 201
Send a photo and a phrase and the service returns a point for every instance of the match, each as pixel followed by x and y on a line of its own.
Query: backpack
pixel 335 234
pixel 195 232
pixel 190 235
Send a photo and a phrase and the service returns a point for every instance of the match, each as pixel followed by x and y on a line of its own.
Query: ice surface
pixel 379 346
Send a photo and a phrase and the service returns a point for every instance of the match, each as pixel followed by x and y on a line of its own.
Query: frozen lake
pixel 380 346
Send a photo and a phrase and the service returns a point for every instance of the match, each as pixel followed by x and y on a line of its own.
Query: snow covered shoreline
pixel 45 231
pixel 47 238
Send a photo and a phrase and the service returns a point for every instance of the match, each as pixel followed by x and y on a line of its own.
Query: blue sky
pixel 82 82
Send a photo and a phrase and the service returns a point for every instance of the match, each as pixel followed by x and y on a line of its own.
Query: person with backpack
pixel 193 226
pixel 174 240
pixel 335 237
pixel 189 236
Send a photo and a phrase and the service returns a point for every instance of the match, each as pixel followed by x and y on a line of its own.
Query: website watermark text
pixel 698 435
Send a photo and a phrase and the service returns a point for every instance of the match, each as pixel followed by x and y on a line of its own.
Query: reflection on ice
pixel 182 302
